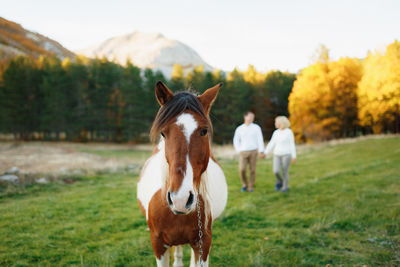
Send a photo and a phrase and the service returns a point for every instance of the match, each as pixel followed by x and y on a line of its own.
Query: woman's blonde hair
pixel 283 122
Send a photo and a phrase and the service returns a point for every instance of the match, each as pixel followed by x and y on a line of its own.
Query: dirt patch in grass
pixel 61 158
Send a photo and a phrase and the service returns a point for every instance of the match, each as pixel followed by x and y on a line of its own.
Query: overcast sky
pixel 268 34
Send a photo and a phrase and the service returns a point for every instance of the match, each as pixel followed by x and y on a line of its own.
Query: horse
pixel 181 188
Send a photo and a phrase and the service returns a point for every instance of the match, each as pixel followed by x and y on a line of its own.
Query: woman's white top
pixel 282 143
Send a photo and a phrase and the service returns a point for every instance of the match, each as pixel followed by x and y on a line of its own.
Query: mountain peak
pixel 139 34
pixel 148 50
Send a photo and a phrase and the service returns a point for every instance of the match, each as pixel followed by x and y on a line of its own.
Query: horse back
pixel 217 187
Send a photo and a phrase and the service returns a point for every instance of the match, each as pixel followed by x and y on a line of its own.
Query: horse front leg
pixel 178 254
pixel 163 261
pixel 160 250
pixel 195 260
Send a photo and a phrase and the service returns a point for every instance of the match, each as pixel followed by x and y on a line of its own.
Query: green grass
pixel 343 209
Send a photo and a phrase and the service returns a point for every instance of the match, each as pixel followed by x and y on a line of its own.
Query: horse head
pixel 185 128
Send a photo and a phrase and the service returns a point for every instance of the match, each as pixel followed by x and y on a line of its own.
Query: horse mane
pixel 179 103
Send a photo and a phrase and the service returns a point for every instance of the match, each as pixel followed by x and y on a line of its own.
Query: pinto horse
pixel 181 188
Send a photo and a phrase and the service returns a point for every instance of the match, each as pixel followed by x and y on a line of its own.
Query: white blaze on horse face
pixel 188 123
pixel 180 198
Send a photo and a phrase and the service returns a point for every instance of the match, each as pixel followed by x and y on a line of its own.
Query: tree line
pixel 99 100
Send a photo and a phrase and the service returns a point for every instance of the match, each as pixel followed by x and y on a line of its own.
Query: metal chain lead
pixel 200 224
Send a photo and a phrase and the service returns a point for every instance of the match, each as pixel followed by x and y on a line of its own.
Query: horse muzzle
pixel 181 204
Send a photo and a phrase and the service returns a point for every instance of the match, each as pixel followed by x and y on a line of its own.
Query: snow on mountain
pixel 148 50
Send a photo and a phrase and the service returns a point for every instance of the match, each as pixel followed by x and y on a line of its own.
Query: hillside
pixel 342 209
pixel 148 50
pixel 15 40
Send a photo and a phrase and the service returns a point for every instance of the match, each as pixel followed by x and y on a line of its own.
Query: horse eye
pixel 162 134
pixel 203 132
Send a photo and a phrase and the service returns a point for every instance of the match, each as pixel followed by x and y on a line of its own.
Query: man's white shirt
pixel 248 137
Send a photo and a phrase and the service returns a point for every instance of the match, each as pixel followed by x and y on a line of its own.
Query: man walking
pixel 248 142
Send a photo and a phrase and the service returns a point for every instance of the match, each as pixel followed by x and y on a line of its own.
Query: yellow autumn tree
pixel 344 76
pixel 177 72
pixel 252 76
pixel 177 78
pixel 323 102
pixel 306 101
pixel 379 91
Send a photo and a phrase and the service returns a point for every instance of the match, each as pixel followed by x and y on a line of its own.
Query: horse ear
pixel 163 94
pixel 208 97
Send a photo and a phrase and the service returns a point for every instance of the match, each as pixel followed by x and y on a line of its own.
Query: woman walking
pixel 284 151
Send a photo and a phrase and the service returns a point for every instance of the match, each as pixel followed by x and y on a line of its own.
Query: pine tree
pixel 177 82
pixel 152 106
pixel 54 88
pixel 134 105
pixel 234 98
pixel 19 94
pixel 78 77
pixel 195 79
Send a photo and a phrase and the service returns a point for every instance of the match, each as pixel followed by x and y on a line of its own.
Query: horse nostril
pixel 190 200
pixel 169 199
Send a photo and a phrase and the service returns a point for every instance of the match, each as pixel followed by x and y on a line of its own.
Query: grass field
pixel 343 209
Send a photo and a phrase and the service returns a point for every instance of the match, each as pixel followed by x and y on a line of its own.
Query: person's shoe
pixel 278 186
pixel 251 190
pixel 285 190
pixel 244 189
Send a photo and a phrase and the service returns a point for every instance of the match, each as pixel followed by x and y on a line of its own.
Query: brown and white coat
pixel 181 171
